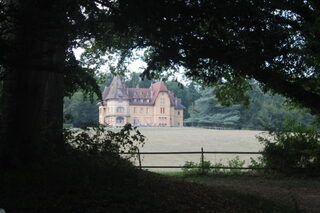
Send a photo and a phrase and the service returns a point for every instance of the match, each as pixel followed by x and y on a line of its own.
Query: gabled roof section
pixel 139 96
pixel 116 90
pixel 159 87
pixel 178 104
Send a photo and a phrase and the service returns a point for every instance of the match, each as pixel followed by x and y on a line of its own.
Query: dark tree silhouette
pixel 227 42
pixel 273 41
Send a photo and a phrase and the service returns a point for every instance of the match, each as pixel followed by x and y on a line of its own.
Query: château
pixel 153 106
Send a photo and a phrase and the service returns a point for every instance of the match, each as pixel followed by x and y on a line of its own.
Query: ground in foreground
pixel 302 192
pixel 88 184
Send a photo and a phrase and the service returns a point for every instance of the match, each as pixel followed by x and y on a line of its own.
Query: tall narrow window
pixel 162 110
pixel 162 100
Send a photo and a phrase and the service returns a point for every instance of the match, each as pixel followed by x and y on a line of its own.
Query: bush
pixel 99 141
pixel 193 168
pixel 292 148
pixel 258 163
pixel 217 170
pixel 237 163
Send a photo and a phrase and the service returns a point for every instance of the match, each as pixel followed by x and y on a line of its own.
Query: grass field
pixel 192 139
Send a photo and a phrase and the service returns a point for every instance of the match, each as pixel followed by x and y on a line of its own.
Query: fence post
pixel 202 160
pixel 139 158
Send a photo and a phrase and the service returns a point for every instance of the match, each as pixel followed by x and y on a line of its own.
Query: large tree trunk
pixel 32 93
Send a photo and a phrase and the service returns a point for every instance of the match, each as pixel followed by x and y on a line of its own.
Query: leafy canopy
pixel 227 42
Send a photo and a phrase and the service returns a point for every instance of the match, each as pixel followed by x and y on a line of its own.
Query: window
pixel 120 99
pixel 141 100
pixel 162 110
pixel 120 109
pixel 141 110
pixel 178 112
pixel 148 100
pixel 135 120
pixel 120 120
pixel 162 100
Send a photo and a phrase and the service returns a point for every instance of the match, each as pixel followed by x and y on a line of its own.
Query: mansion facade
pixel 153 106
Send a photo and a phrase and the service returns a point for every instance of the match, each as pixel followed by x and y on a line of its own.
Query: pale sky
pixel 135 66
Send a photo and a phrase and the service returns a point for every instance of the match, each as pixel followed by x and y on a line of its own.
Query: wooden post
pixel 139 158
pixel 202 160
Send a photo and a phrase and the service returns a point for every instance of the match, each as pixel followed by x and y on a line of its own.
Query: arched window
pixel 120 120
pixel 120 109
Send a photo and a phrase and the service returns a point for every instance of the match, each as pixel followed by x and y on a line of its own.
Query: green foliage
pixel 233 91
pixel 217 170
pixel 99 141
pixel 188 94
pixel 79 112
pixel 265 110
pixel 193 168
pixel 189 168
pixel 135 80
pixel 206 111
pixel 292 148
pixel 236 163
pixel 259 163
pixel 230 41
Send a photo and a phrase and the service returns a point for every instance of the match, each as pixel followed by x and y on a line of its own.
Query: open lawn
pixel 192 139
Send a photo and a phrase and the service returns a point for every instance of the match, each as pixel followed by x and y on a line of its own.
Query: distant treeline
pixel 202 108
pixel 264 111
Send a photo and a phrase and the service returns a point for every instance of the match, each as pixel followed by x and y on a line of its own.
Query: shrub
pixel 258 163
pixel 205 167
pixel 217 170
pixel 292 149
pixel 189 168
pixel 192 168
pixel 237 163
pixel 99 141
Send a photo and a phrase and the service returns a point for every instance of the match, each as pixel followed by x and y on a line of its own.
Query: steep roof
pixel 159 86
pixel 139 96
pixel 116 90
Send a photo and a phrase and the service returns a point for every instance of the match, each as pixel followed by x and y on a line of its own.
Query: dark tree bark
pixel 32 92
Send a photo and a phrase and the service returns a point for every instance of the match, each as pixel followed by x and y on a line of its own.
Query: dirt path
pixel 305 194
